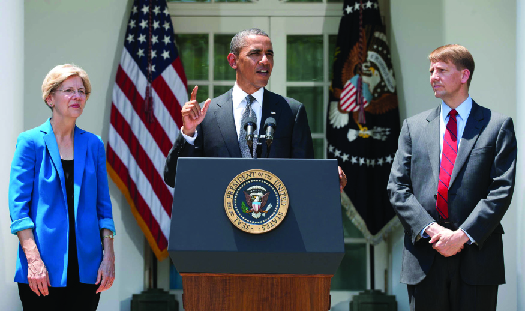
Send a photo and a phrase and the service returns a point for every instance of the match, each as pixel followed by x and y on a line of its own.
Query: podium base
pixel 255 292
pixel 373 300
pixel 154 300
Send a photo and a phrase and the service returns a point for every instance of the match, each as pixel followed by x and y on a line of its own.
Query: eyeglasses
pixel 71 92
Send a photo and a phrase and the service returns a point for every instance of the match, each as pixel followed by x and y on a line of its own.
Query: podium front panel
pixel 308 241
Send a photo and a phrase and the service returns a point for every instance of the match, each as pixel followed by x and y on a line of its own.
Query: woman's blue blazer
pixel 38 200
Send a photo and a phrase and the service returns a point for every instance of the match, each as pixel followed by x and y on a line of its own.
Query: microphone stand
pixel 255 146
pixel 268 149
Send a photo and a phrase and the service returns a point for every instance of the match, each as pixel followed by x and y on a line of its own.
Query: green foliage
pixel 244 208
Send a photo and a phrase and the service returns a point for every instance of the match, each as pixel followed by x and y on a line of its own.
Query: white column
pixel 519 192
pixel 11 124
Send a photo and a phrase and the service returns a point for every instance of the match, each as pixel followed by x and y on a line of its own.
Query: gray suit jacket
pixel 217 137
pixel 480 191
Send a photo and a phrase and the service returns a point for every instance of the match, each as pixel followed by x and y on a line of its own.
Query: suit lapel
pixel 80 149
pixel 271 108
pixel 52 148
pixel 226 124
pixel 432 141
pixel 469 138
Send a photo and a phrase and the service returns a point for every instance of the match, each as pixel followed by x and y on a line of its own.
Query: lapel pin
pixel 273 112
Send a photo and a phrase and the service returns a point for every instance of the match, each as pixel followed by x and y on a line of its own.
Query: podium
pixel 287 268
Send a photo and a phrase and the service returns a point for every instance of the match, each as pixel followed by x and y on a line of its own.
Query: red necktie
pixel 448 157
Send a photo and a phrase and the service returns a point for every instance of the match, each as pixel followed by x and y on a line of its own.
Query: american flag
pixel 348 100
pixel 149 91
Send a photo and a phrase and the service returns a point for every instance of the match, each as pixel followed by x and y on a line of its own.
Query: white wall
pixel 519 197
pixel 488 29
pixel 11 88
pixel 91 35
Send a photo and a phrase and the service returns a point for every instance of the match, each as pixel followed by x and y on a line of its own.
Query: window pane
pixel 350 230
pixel 319 148
pixel 312 99
pixel 221 89
pixel 202 93
pixel 351 274
pixel 233 0
pixel 222 70
pixel 193 49
pixel 332 42
pixel 304 60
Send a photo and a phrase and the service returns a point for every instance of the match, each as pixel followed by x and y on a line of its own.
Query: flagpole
pixel 154 266
pixel 372 268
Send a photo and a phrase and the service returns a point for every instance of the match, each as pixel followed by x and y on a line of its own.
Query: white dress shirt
pixel 239 104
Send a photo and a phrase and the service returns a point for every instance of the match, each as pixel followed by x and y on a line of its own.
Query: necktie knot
pixel 453 113
pixel 250 99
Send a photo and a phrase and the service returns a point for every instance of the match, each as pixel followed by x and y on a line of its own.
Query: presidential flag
pixel 149 91
pixel 362 125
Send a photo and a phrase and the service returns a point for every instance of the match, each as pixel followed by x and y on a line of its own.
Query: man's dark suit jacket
pixel 217 136
pixel 480 192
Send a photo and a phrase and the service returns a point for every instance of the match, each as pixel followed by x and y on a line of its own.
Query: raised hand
pixel 193 114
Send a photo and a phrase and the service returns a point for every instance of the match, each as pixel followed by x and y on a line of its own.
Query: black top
pixel 72 267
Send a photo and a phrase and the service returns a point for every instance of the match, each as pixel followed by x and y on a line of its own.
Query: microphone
pixel 269 128
pixel 250 126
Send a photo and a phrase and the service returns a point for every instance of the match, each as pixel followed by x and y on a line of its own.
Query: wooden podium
pixel 288 268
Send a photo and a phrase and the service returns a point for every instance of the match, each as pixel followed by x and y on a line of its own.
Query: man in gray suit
pixel 215 129
pixel 451 183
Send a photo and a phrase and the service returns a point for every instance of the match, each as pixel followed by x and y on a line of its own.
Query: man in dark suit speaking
pixel 451 183
pixel 216 129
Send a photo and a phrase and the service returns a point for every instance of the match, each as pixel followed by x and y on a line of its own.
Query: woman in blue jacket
pixel 59 204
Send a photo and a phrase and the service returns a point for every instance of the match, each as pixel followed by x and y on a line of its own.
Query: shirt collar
pixel 238 95
pixel 463 109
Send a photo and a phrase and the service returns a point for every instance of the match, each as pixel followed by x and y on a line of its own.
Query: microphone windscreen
pixel 269 121
pixel 250 119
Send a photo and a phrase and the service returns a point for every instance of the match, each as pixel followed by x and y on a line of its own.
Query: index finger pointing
pixel 206 105
pixel 193 95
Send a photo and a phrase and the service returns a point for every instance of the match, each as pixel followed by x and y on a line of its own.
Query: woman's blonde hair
pixel 59 74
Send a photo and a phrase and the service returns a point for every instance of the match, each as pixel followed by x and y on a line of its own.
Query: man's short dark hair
pixel 457 55
pixel 239 40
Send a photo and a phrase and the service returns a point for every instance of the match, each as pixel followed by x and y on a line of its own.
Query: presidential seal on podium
pixel 256 201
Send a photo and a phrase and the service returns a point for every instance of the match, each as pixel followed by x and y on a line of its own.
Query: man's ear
pixel 465 74
pixel 232 60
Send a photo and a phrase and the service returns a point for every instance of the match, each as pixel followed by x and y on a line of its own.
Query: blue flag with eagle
pixel 362 125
